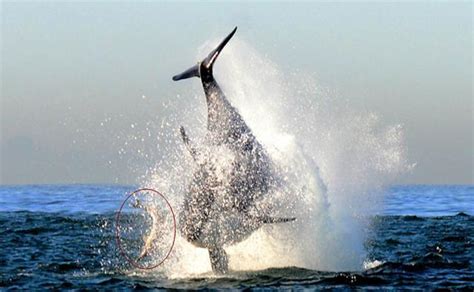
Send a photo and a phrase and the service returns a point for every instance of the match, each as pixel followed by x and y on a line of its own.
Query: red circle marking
pixel 117 234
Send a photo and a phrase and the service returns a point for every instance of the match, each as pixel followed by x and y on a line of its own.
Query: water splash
pixel 334 162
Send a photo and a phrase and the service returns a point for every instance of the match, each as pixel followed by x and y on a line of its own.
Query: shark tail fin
pixel 212 57
pixel 207 63
pixel 191 72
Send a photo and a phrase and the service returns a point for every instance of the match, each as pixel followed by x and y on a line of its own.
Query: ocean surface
pixel 62 237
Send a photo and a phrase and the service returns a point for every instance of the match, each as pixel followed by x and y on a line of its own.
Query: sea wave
pixel 42 250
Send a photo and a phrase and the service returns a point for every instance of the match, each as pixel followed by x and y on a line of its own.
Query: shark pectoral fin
pixel 268 219
pixel 219 261
pixel 184 136
pixel 186 142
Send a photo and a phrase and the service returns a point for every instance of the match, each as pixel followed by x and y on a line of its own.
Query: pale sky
pixel 76 75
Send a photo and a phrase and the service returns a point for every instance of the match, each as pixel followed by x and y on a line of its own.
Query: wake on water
pixel 333 161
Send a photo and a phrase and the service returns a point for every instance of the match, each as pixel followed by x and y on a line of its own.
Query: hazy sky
pixel 76 75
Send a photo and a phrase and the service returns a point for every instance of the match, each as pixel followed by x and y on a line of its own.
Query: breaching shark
pixel 233 171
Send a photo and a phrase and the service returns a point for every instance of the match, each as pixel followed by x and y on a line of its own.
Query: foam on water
pixel 334 162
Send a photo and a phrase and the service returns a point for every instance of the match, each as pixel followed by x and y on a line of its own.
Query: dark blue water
pixel 63 237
